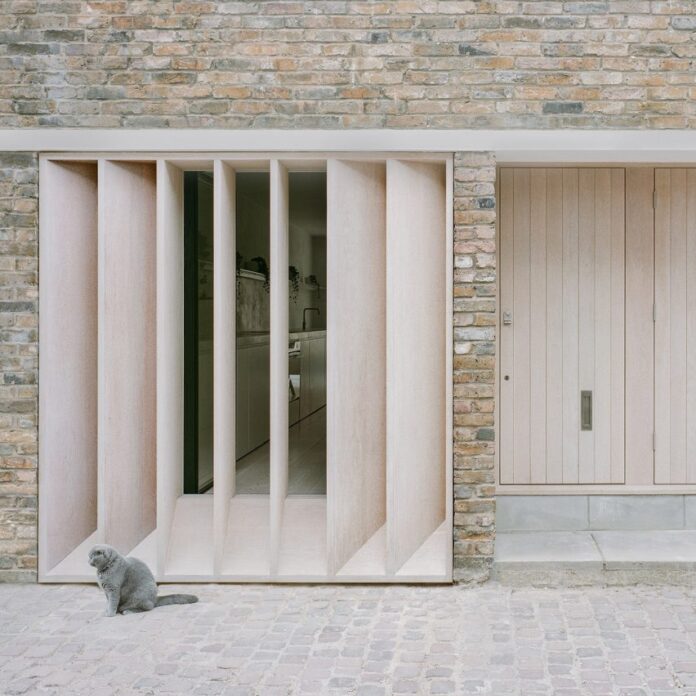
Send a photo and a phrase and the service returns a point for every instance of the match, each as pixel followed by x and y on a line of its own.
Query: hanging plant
pixel 294 283
pixel 262 267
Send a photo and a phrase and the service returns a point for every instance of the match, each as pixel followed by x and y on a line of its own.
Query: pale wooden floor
pixel 307 461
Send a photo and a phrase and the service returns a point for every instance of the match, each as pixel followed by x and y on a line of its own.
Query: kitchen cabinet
pixel 252 399
pixel 259 395
pixel 242 403
pixel 313 375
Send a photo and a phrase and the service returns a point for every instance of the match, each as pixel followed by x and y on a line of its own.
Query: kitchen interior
pixel 306 340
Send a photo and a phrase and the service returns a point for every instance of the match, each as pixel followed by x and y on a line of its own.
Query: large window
pixel 246 366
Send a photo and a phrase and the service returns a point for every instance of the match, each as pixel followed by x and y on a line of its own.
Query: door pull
pixel 585 410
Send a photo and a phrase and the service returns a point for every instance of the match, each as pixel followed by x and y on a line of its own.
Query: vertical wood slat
pixel 356 388
pixel 604 364
pixel 691 326
pixel 602 327
pixel 617 324
pixel 506 455
pixel 224 351
pixel 570 349
pixel 663 308
pixel 639 325
pixel 67 359
pixel 677 326
pixel 416 360
pixel 279 250
pixel 449 360
pixel 537 326
pixel 675 366
pixel 127 352
pixel 554 326
pixel 170 350
pixel 521 323
pixel 586 319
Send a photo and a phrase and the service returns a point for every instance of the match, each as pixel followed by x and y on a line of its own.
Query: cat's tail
pixel 176 599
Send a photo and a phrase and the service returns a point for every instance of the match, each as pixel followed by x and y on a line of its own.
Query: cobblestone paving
pixel 353 640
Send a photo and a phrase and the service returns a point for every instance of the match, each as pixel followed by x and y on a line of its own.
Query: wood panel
pixel 639 325
pixel 506 406
pixel 569 343
pixel 416 356
pixel 617 206
pixel 586 320
pixel 562 267
pixel 279 375
pixel 554 327
pixel 67 359
pixel 170 350
pixel 537 324
pixel 675 323
pixel 127 352
pixel 224 351
pixel 356 391
pixel 521 312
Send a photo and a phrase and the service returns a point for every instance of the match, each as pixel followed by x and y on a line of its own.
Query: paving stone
pixel 239 641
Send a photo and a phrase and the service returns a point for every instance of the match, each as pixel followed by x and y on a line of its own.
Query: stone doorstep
pixel 621 557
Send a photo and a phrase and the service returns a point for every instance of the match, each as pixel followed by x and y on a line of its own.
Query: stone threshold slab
pixel 606 548
pixel 614 557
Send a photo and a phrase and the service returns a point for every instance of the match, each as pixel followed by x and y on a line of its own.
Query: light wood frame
pixel 68 243
pixel 193 540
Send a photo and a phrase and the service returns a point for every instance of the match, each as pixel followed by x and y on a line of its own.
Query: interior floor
pixel 306 461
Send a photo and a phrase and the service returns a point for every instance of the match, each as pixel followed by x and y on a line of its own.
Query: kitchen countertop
pixel 251 338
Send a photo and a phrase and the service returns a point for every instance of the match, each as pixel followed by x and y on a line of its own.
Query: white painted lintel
pixel 510 146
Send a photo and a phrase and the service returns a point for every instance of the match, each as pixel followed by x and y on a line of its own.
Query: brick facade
pixel 348 63
pixel 18 365
pixel 474 364
pixel 592 64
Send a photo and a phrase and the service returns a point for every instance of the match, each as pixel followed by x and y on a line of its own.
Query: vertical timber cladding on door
pixel 127 352
pixel 675 326
pixel 416 339
pixel 562 326
pixel 640 327
pixel 356 357
pixel 67 359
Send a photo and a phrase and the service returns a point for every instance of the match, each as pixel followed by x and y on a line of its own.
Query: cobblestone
pixel 384 640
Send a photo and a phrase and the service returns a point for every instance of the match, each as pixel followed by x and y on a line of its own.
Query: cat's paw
pixel 109 614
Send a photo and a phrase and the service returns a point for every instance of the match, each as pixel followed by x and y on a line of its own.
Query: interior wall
pixel 307 238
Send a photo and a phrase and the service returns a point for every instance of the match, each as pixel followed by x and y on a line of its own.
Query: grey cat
pixel 128 584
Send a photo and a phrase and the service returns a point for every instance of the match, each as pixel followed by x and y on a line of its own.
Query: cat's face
pixel 100 555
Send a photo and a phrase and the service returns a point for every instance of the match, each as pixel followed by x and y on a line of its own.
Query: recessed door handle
pixel 585 410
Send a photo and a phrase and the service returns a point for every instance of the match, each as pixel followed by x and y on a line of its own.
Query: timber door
pixel 598 326
pixel 562 289
pixel 675 326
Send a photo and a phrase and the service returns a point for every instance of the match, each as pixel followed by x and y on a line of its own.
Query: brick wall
pixel 348 63
pixel 474 364
pixel 18 365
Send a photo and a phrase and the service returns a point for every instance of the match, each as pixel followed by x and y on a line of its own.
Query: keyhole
pixel 507 377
